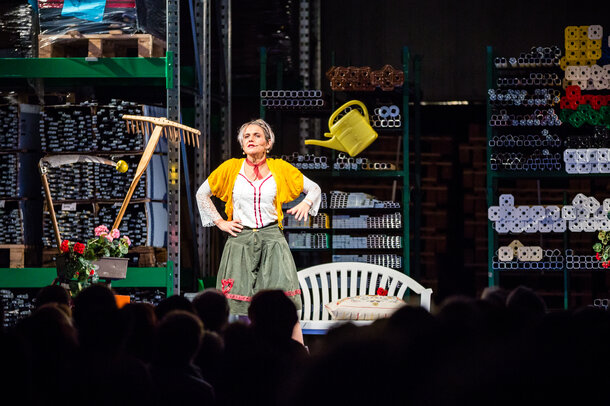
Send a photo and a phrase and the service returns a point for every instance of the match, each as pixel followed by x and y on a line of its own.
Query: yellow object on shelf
pixel 352 133
pixel 122 166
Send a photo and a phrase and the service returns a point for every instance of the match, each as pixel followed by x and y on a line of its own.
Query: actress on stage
pixel 256 255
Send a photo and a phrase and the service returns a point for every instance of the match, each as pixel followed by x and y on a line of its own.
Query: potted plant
pixel 101 257
pixel 602 248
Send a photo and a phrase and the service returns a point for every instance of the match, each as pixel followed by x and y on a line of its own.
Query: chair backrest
pixel 330 282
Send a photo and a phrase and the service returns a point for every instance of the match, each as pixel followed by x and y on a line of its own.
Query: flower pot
pixel 111 267
pixel 60 264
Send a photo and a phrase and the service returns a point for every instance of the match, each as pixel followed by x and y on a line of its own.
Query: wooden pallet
pixel 148 257
pixel 75 44
pixel 16 254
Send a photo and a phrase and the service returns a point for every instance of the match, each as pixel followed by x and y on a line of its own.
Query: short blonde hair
pixel 269 136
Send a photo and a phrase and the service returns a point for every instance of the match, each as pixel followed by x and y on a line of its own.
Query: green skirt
pixel 255 260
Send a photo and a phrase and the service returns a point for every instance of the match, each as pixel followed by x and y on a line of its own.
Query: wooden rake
pixel 154 127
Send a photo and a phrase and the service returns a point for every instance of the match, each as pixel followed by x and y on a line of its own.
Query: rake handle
pixel 146 156
pixel 47 191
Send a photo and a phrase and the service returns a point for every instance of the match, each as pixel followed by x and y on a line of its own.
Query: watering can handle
pixel 340 109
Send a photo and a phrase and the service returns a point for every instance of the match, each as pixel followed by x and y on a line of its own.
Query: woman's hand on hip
pixel 231 227
pixel 300 211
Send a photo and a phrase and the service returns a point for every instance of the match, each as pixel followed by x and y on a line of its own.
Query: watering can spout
pixel 332 143
pixel 351 133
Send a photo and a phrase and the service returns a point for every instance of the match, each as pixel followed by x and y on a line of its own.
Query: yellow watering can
pixel 352 133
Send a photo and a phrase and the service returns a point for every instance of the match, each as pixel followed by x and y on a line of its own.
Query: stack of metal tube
pixel 582 262
pixel 74 181
pixel 544 117
pixel 112 128
pixel 9 126
pixel 366 221
pixel 16 306
pixel 521 97
pixel 74 225
pixel 538 56
pixel 292 99
pixel 134 223
pixel 307 240
pixel 307 161
pixel 386 117
pixel 551 260
pixel 67 129
pixel 110 184
pixel 388 260
pixel 11 225
pixel 545 139
pixel 517 161
pixel 9 175
pixel 534 79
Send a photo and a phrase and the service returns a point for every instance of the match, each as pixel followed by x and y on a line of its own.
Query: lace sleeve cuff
pixel 313 194
pixel 207 210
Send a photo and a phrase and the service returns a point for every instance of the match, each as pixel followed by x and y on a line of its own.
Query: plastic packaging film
pixel 75 28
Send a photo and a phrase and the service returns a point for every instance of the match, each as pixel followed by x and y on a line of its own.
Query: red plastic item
pixel 572 92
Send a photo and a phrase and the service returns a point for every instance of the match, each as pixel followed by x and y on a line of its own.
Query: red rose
pixel 597 256
pixel 605 264
pixel 79 248
pixel 91 272
pixel 382 292
pixel 75 273
pixel 65 246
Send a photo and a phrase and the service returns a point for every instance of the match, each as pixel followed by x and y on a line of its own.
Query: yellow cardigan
pixel 289 181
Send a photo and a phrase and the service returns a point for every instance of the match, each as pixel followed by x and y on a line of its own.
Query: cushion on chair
pixel 364 307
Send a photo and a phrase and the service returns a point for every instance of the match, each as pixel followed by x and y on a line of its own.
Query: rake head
pixel 171 130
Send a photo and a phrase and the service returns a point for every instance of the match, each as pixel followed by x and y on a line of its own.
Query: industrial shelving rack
pixel 401 175
pixel 494 180
pixel 156 71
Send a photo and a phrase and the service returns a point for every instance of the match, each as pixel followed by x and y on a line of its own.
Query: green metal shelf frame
pixel 492 186
pixel 92 68
pixel 71 68
pixel 161 277
pixel 404 174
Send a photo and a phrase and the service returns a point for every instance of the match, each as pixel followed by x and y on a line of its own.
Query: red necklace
pixel 257 173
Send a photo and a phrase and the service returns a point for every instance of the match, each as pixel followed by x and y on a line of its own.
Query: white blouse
pixel 252 200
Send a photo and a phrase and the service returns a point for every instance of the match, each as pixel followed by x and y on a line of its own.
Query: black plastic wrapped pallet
pixel 117 15
pixel 17 22
pixel 151 17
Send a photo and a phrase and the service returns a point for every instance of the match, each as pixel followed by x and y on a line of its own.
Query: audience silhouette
pixel 505 348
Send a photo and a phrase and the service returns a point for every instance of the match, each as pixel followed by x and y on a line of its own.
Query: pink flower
pixel 108 237
pixel 115 233
pixel 99 230
pixel 127 240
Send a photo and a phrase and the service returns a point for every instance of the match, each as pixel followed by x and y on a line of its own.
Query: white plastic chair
pixel 325 283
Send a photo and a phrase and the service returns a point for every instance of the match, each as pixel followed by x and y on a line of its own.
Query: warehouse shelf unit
pixel 397 179
pixel 556 281
pixel 156 71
